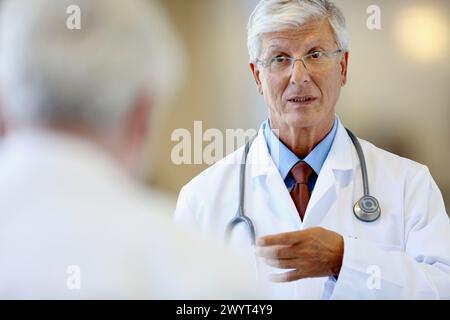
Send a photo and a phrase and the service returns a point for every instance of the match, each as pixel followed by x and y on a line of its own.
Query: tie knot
pixel 301 172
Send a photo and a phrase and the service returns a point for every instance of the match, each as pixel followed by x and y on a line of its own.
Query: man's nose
pixel 299 71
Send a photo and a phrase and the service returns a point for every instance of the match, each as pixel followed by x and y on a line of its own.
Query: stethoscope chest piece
pixel 367 209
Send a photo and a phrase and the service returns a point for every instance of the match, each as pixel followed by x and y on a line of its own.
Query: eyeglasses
pixel 317 61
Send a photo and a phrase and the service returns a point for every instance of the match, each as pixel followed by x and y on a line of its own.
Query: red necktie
pixel 300 193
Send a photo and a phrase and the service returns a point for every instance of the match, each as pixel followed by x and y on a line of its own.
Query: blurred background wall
pixel 397 97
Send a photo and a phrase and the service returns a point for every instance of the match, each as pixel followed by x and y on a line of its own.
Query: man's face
pixel 281 89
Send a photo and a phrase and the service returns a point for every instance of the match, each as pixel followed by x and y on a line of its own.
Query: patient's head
pixel 100 81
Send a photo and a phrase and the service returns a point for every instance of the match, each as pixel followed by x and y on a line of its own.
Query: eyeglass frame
pixel 266 63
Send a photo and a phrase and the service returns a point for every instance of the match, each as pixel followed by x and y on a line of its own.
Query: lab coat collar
pixel 336 170
pixel 339 157
pixel 259 157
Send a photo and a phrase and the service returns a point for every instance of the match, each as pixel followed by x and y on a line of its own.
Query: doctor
pixel 303 177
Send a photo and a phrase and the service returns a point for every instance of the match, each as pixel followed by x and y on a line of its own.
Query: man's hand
pixel 314 252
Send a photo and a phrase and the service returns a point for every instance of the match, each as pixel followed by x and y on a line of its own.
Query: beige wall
pixel 392 99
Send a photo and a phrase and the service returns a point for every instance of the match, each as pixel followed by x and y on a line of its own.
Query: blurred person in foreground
pixel 76 109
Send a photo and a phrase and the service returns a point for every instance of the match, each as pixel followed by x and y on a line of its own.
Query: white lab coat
pixel 74 225
pixel 403 255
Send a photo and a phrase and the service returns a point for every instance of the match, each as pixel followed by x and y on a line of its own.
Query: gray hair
pixel 281 15
pixel 91 76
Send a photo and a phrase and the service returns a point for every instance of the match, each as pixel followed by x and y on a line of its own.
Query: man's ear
pixel 138 123
pixel 2 127
pixel 132 144
pixel 344 68
pixel 256 74
pixel 2 121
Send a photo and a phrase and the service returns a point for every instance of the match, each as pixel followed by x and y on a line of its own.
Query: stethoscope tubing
pixel 359 211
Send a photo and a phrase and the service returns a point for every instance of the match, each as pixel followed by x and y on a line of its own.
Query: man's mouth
pixel 302 99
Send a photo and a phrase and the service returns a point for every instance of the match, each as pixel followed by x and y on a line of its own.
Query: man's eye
pixel 317 54
pixel 279 59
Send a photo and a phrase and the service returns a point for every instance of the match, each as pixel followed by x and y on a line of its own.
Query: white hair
pixel 91 76
pixel 281 15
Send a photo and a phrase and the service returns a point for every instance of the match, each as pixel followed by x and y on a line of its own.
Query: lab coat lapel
pixel 272 200
pixel 273 208
pixel 334 173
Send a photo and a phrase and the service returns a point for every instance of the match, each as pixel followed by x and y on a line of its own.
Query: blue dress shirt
pixel 287 159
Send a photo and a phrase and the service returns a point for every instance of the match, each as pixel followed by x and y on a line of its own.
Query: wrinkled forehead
pixel 311 34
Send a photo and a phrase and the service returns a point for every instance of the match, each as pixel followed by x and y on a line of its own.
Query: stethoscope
pixel 366 209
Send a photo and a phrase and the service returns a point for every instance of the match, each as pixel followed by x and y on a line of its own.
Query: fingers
pixel 287 276
pixel 288 238
pixel 284 263
pixel 275 252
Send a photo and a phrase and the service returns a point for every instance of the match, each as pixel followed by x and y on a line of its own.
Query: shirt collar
pixel 286 159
